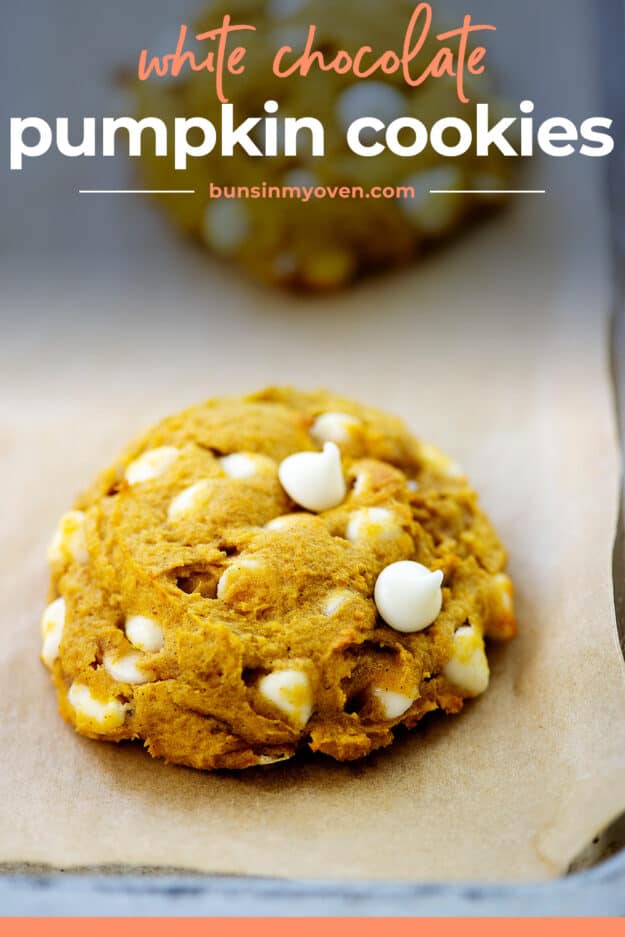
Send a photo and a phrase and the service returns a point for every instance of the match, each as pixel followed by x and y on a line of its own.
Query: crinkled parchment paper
pixel 497 351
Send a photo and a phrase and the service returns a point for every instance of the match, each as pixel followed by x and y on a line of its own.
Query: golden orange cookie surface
pixel 198 605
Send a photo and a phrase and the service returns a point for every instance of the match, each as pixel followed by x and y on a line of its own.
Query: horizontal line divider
pixel 136 191
pixel 488 192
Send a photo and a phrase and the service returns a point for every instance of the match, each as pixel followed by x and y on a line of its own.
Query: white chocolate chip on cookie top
pixel 127 668
pixel 290 692
pixel 190 501
pixel 151 464
pixel 256 577
pixel 95 715
pixel 239 465
pixel 468 668
pixel 392 704
pixel 243 572
pixel 314 479
pixel 372 523
pixel 144 633
pixel 242 465
pixel 52 624
pixel 334 427
pixel 409 596
pixel 336 600
pixel 69 543
pixel 265 760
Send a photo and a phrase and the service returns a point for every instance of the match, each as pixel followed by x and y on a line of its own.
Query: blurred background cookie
pixel 324 243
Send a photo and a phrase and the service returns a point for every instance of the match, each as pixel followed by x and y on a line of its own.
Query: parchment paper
pixel 497 351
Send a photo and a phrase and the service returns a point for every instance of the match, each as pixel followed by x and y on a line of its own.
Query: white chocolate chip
pixel 233 572
pixel 52 624
pixel 408 596
pixel 190 500
pixel 264 760
pixel 468 667
pixel 279 523
pixel 281 9
pixel 362 483
pixel 285 521
pixel 238 465
pixel 412 485
pixel 334 427
pixel 314 479
pixel 69 543
pixel 434 458
pixel 126 669
pixel 93 714
pixel 370 99
pixel 246 464
pixel 226 226
pixel 151 464
pixel 335 600
pixel 433 214
pixel 144 633
pixel 290 692
pixel 372 522
pixel 503 593
pixel 393 705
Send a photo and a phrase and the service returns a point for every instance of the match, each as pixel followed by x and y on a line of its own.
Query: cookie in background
pixel 304 222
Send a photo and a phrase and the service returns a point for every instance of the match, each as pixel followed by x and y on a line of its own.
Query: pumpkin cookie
pixel 259 575
pixel 317 243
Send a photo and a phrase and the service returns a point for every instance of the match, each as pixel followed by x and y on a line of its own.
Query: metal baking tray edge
pixel 595 885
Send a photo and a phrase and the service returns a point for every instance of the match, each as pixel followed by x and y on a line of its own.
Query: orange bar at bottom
pixel 314 927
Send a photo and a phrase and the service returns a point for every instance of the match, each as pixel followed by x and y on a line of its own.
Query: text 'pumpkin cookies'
pixel 258 575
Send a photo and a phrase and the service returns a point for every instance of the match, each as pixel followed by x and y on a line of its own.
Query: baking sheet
pixel 497 351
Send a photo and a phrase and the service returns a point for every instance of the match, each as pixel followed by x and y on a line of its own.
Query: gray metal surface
pixel 600 891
